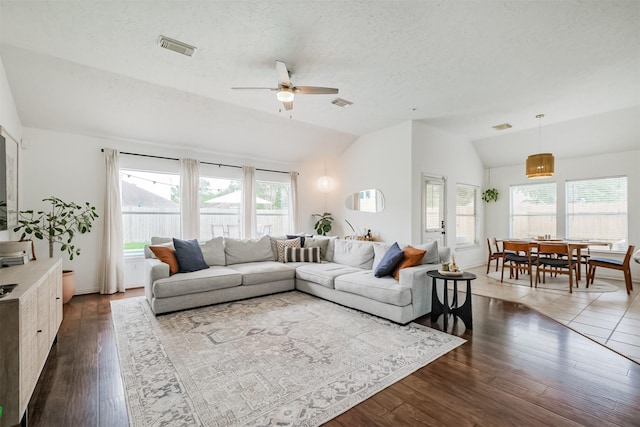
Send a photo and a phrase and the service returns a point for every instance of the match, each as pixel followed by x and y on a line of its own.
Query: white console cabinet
pixel 29 320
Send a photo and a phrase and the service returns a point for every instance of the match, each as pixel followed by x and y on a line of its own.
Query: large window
pixel 533 210
pixel 150 207
pixel 597 210
pixel 220 200
pixel 466 215
pixel 272 208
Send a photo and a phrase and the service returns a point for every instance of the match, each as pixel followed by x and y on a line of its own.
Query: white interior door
pixel 433 209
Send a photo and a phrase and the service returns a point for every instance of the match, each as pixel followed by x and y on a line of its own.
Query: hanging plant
pixel 490 195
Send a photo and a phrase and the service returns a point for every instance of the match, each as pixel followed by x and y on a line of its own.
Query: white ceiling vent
pixel 502 126
pixel 341 102
pixel 176 46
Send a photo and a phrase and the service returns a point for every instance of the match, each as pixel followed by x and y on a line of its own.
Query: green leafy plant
pixel 323 225
pixel 59 225
pixel 490 195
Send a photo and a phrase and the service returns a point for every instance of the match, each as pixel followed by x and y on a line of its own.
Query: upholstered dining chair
pixel 518 256
pixel 494 252
pixel 557 258
pixel 614 264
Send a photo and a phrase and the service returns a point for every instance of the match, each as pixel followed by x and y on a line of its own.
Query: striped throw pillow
pixel 302 254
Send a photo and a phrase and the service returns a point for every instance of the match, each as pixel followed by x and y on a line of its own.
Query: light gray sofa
pixel 241 269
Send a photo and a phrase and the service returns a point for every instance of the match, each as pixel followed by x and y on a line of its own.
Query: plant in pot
pixel 58 226
pixel 490 195
pixel 323 225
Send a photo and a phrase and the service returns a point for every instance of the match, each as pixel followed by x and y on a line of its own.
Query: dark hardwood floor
pixel 517 368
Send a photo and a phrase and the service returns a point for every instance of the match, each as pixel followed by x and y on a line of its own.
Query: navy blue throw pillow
pixel 189 255
pixel 389 261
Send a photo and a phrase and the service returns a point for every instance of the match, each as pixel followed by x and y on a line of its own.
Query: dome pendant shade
pixel 540 165
pixel 284 95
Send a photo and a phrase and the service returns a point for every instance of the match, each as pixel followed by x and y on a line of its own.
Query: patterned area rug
pixel 558 284
pixel 288 359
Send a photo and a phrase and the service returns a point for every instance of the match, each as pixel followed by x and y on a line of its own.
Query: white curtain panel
pixel 113 252
pixel 190 198
pixel 248 206
pixel 293 202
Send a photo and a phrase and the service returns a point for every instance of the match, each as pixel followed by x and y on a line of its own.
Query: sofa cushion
pixel 353 253
pixel 432 256
pixel 213 251
pixel 330 249
pixel 412 257
pixel 323 244
pixel 167 255
pixel 389 261
pixel 302 254
pixel 189 255
pixel 287 243
pixel 385 289
pixel 257 273
pixel 198 281
pixel 242 251
pixel 323 274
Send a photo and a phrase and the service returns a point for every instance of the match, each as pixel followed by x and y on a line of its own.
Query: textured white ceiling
pixel 462 66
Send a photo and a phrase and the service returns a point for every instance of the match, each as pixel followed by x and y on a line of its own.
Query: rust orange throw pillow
pixel 166 255
pixel 412 257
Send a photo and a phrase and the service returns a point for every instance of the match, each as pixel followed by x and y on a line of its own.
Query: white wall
pixel 379 160
pixel 604 165
pixel 10 120
pixel 439 153
pixel 72 167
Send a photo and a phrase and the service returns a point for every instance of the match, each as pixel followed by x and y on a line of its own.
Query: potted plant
pixel 490 195
pixel 323 225
pixel 58 226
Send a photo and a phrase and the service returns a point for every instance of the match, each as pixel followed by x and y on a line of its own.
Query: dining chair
pixel 614 264
pixel 494 252
pixel 519 256
pixel 557 258
pixel 217 230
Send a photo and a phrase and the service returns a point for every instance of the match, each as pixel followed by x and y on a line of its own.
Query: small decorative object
pixel 445 266
pixel 323 225
pixel 454 266
pixel 59 225
pixel 490 195
pixel 353 230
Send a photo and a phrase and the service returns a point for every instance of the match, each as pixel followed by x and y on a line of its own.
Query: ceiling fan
pixel 286 91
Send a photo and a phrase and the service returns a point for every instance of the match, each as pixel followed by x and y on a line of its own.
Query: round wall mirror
pixel 371 200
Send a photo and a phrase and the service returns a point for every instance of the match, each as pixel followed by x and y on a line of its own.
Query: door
pixel 433 209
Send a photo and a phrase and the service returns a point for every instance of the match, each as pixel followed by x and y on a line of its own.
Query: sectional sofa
pixel 239 269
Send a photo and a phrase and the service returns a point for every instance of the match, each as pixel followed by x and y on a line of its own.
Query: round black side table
pixel 442 307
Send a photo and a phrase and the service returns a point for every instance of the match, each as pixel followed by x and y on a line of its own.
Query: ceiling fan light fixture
pixel 285 95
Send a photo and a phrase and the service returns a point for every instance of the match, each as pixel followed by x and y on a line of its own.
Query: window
pixel 533 210
pixel 220 200
pixel 597 210
pixel 272 208
pixel 150 207
pixel 466 215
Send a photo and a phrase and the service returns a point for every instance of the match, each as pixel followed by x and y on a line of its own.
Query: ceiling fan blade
pixel 314 90
pixel 288 105
pixel 283 74
pixel 255 88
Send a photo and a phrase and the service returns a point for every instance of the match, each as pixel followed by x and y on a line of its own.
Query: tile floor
pixel 609 318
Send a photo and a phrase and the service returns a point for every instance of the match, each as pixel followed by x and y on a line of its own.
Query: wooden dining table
pixel 578 245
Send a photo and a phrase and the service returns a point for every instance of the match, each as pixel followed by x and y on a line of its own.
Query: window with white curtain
pixel 466 215
pixel 220 200
pixel 533 210
pixel 150 207
pixel 597 210
pixel 272 207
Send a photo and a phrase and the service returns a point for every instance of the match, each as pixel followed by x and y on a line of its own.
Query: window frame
pixel 553 232
pixel 476 232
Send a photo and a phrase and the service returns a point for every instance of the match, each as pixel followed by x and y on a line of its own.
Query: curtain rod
pixel 206 163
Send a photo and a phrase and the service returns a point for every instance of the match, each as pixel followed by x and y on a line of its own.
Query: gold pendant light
pixel 540 165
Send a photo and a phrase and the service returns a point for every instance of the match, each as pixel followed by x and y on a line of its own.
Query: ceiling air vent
pixel 341 102
pixel 176 46
pixel 503 126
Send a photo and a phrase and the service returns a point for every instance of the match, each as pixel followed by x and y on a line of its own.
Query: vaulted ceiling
pixel 94 67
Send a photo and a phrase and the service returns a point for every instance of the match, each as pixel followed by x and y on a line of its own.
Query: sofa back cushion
pixel 166 241
pixel 213 251
pixel 322 244
pixel 241 251
pixel 432 256
pixel 353 253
